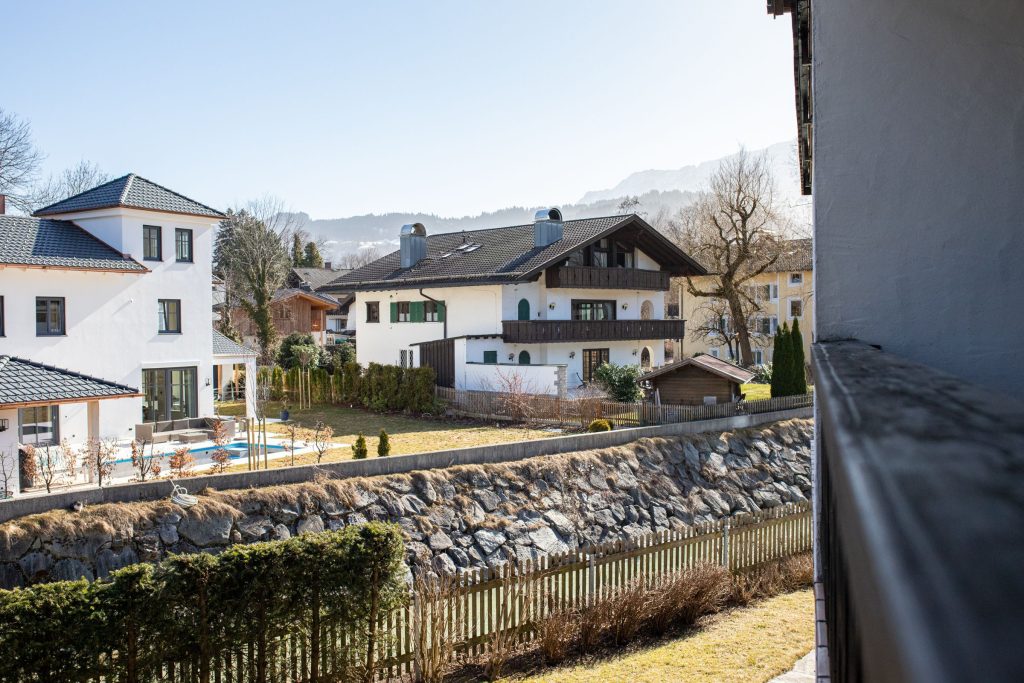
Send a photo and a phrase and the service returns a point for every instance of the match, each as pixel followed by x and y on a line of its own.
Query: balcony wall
pixel 586 277
pixel 544 331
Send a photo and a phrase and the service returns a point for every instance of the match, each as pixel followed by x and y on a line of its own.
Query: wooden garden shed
pixel 701 380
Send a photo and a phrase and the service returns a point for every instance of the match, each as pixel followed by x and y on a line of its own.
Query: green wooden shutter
pixel 394 311
pixel 416 311
pixel 491 357
pixel 440 311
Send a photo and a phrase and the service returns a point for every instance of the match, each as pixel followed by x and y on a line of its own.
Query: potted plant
pixel 284 413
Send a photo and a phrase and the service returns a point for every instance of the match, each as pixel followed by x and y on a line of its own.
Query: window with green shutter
pixel 440 311
pixel 394 311
pixel 416 311
pixel 491 357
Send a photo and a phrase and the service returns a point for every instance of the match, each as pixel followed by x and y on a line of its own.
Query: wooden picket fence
pixel 582 411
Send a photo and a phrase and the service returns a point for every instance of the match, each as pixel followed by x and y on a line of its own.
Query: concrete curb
pixel 395 464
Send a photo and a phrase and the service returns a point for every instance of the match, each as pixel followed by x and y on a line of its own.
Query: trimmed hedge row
pixel 383 388
pixel 199 611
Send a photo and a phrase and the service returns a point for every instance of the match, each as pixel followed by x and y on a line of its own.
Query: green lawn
pixel 745 645
pixel 407 434
pixel 755 392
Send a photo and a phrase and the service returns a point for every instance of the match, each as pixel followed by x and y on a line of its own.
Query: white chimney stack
pixel 547 227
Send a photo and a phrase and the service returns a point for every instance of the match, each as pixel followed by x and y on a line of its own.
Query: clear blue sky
pixel 341 108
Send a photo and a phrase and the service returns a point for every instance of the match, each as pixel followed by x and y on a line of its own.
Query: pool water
pixel 237 449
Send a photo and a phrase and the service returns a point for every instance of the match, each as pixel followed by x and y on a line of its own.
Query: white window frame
pixel 789 308
pixel 796 279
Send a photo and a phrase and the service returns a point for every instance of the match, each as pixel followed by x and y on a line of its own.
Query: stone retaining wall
pixel 457 517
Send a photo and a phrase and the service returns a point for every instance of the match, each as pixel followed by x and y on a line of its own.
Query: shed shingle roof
pixel 25 382
pixel 225 346
pixel 504 255
pixel 315 277
pixel 58 244
pixel 130 191
pixel 709 363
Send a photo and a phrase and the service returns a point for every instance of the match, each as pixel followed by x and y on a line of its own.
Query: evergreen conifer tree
pixel 383 445
pixel 797 362
pixel 359 448
pixel 780 361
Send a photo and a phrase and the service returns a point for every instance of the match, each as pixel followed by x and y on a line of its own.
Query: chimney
pixel 547 227
pixel 3 204
pixel 327 265
pixel 413 244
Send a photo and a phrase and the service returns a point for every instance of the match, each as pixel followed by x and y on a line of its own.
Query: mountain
pixel 661 193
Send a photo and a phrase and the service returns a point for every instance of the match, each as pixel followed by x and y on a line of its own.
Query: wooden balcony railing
pixel 541 331
pixel 585 277
pixel 920 521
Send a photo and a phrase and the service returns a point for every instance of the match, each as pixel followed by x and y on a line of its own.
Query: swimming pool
pixel 237 449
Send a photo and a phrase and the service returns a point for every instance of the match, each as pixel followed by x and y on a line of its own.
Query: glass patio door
pixel 169 394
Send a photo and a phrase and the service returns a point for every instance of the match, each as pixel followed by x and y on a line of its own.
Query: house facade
pixel 546 303
pixel 784 293
pixel 107 295
pixel 294 309
pixel 338 327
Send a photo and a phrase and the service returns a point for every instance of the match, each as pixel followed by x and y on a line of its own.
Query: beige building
pixel 783 293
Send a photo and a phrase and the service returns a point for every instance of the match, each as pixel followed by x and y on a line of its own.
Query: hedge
pixel 200 611
pixel 383 388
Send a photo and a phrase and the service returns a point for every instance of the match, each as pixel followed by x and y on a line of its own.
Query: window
pixel 169 315
pixel 593 310
pixel 592 360
pixel 524 357
pixel 169 394
pixel 1 316
pixel 491 357
pixel 796 278
pixel 599 254
pixel 283 312
pixel 183 245
pixel 404 358
pixel 38 426
pixel 49 316
pixel 152 244
pixel 372 312
pixel 623 256
pixel 714 352
pixel 767 326
pixel 796 308
pixel 430 311
pixel 524 310
pixel 758 357
pixel 402 312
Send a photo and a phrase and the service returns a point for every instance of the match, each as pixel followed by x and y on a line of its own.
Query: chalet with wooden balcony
pixel 544 304
pixel 294 309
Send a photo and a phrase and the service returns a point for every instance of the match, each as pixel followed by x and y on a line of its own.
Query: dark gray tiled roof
pixel 796 255
pixel 23 381
pixel 314 277
pixel 504 255
pixel 133 192
pixel 226 346
pixel 57 244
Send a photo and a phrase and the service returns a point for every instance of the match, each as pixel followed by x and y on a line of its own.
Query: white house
pixel 548 301
pixel 105 322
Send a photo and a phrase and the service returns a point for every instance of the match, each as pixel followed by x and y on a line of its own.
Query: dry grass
pixel 746 645
pixel 407 434
pixel 755 392
pixel 771 579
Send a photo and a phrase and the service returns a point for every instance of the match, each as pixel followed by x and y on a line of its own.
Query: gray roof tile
pixel 504 255
pixel 223 345
pixel 57 244
pixel 130 191
pixel 24 381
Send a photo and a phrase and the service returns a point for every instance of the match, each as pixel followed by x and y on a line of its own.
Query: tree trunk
pixel 739 322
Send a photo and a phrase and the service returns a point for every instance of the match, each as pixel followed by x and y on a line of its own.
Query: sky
pixel 346 108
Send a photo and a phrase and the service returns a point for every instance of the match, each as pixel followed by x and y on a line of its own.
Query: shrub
pixel 293 346
pixel 201 608
pixel 688 595
pixel 383 444
pixel 557 634
pixel 781 357
pixel 621 381
pixel 762 374
pixel 359 451
pixel 799 376
pixel 600 425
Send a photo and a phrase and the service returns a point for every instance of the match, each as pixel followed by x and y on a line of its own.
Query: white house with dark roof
pixel 105 296
pixel 547 302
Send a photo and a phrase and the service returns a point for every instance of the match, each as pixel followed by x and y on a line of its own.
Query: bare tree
pixel 254 262
pixel 8 472
pixel 631 204
pixel 75 180
pixel 712 322
pixel 322 434
pixel 358 258
pixel 734 230
pixel 145 467
pixel 99 459
pixel 19 161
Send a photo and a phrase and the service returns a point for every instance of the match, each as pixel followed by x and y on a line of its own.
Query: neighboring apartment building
pixel 546 302
pixel 784 293
pixel 105 314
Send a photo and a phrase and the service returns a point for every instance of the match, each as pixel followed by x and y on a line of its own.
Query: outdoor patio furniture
pixel 171 430
pixel 192 437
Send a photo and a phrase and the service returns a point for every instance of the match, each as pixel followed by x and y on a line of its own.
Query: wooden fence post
pixel 725 544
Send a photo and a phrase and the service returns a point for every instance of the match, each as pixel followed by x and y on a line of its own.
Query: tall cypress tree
pixel 797 362
pixel 780 361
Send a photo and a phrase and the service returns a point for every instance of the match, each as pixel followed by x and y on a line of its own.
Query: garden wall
pixel 452 517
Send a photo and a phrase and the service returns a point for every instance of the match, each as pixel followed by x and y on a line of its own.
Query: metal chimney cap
pixel 547 215
pixel 414 229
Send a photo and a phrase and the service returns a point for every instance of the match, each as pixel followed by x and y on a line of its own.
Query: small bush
pixel 771 579
pixel 557 634
pixel 383 445
pixel 688 595
pixel 600 425
pixel 359 451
